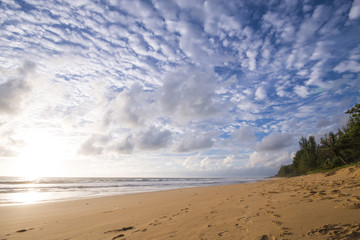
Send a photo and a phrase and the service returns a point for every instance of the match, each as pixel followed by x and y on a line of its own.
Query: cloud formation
pixel 16 88
pixel 189 86
pixel 194 142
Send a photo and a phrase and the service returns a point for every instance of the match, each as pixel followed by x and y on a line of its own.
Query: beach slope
pixel 318 206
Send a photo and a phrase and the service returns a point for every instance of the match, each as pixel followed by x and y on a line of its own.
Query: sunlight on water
pixel 29 196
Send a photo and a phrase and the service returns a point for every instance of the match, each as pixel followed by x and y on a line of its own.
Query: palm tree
pixel 329 144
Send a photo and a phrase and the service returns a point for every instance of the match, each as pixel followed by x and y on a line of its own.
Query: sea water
pixel 17 190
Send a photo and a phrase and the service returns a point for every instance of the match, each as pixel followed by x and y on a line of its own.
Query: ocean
pixel 17 190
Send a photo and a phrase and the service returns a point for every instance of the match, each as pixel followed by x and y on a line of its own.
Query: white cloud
pixel 16 89
pixel 195 162
pixel 351 66
pixel 168 9
pixel 157 77
pixel 301 91
pixel 5 152
pixel 189 94
pixel 252 59
pixel 260 93
pixel 321 51
pixel 154 138
pixel 306 31
pixel 355 10
pixel 275 141
pixel 125 146
pixel 132 108
pixel 205 162
pixel 317 75
pixel 271 160
pixel 95 145
pixel 194 141
pixel 283 28
pixel 245 136
pixel 228 160
pixel 8 142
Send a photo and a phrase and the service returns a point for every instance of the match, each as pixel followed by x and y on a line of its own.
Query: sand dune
pixel 319 206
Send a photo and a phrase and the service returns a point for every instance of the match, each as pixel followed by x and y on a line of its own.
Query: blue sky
pixel 171 88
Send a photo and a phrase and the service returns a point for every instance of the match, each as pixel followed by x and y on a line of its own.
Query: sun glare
pixel 42 155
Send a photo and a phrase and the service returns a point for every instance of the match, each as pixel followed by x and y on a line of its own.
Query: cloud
pixel 351 66
pixel 355 10
pixel 205 162
pixel 131 107
pixel 227 161
pixel 5 152
pixel 317 75
pixel 156 77
pixel 252 59
pixel 321 51
pixel 284 30
pixel 260 93
pixel 16 89
pixel 323 123
pixel 301 91
pixel 168 9
pixel 194 142
pixel 154 138
pixel 189 94
pixel 245 136
pixel 126 146
pixel 274 142
pixel 195 162
pixel 95 145
pixel 271 160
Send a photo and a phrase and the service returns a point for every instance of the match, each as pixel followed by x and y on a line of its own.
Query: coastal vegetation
pixel 334 150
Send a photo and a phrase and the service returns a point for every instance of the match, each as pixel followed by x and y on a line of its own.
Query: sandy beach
pixel 318 206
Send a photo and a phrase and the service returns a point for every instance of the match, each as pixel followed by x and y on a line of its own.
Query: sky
pixel 171 88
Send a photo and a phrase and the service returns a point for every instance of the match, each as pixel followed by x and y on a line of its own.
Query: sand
pixel 319 206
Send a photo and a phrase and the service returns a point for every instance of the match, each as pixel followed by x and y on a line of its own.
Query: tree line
pixel 335 149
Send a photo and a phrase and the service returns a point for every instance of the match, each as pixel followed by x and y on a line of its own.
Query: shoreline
pixel 108 196
pixel 307 207
pixel 42 190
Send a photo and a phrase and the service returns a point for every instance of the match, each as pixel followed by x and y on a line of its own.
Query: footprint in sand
pixel 155 223
pixel 285 233
pixel 352 206
pixel 143 230
pixel 24 230
pixel 118 236
pixel 242 228
pixel 277 223
pixel 222 233
pixel 184 210
pixel 337 231
pixel 124 229
pixel 356 198
pixel 267 237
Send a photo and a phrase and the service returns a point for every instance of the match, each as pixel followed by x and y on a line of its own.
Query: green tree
pixel 354 120
pixel 307 155
pixel 331 146
pixel 286 171
pixel 335 149
pixel 351 137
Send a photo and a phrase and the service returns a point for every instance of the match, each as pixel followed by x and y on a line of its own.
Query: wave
pixel 52 189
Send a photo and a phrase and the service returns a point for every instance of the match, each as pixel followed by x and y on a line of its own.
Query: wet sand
pixel 319 206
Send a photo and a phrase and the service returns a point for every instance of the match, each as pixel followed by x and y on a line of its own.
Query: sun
pixel 42 155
